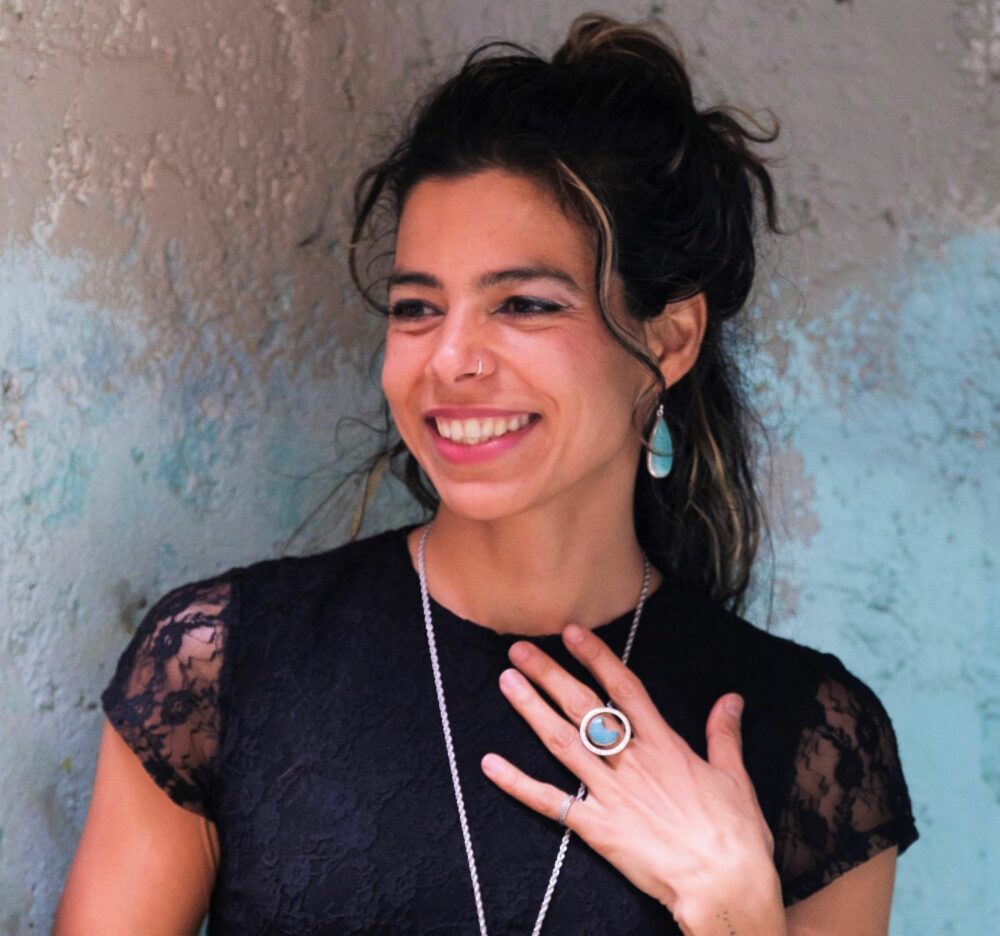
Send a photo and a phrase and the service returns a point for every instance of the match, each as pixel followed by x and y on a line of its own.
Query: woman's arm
pixel 144 864
pixel 857 902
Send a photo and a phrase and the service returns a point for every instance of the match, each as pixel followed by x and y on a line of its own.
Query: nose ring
pixel 477 371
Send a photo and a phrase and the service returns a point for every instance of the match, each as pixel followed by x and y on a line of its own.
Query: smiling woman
pixel 351 746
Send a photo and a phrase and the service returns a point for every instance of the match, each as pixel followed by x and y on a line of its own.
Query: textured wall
pixel 178 340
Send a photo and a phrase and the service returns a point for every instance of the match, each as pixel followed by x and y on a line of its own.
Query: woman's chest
pixel 340 816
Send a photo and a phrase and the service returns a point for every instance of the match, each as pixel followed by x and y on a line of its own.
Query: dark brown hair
pixel 672 195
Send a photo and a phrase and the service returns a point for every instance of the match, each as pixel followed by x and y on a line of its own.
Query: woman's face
pixel 491 275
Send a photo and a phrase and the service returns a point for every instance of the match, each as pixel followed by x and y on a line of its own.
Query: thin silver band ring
pixel 566 803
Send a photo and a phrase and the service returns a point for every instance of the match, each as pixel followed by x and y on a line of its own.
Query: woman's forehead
pixel 487 223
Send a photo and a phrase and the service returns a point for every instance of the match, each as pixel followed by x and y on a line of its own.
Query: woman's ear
pixel 675 335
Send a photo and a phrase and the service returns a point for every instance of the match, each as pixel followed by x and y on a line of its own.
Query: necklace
pixel 446 726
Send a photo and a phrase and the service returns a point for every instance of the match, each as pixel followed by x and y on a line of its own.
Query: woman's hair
pixel 670 195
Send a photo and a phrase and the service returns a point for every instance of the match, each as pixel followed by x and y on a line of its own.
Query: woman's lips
pixel 463 453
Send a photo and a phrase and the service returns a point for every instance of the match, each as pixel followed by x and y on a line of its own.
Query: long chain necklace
pixel 445 724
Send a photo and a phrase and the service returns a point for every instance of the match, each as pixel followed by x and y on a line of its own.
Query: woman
pixel 392 736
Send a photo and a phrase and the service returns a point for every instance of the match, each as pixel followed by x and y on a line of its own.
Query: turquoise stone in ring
pixel 599 737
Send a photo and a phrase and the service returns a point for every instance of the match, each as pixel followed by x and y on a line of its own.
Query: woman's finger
pixel 544 798
pixel 624 688
pixel 724 735
pixel 572 696
pixel 557 734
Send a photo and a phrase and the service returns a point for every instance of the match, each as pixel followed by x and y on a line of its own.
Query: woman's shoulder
pixel 350 573
pixel 163 695
pixel 186 624
pixel 796 694
pixel 166 695
pixel 776 661
pixel 734 645
pixel 250 597
pixel 219 599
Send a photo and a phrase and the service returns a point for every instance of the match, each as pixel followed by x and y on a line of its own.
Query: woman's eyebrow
pixel 413 278
pixel 490 278
pixel 534 271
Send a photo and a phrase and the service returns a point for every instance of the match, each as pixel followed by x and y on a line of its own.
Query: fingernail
pixel 492 764
pixel 574 633
pixel 734 705
pixel 511 679
pixel 519 652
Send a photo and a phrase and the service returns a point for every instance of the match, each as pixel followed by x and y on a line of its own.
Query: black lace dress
pixel 292 702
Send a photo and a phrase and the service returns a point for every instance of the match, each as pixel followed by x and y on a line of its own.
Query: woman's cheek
pixel 394 375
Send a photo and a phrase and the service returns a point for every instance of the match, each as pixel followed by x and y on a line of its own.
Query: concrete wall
pixel 178 340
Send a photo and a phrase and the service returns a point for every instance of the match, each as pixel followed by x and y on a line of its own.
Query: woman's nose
pixel 462 351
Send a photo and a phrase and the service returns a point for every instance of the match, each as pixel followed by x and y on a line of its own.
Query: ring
pixel 602 738
pixel 566 803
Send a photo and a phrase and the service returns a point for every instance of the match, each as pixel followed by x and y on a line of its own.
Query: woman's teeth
pixel 474 431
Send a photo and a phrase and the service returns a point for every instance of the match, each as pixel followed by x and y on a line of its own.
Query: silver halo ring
pixel 566 803
pixel 596 736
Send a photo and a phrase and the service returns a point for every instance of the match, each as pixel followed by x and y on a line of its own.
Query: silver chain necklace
pixel 445 724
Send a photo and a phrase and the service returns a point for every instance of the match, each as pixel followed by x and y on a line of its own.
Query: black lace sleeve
pixel 849 799
pixel 164 696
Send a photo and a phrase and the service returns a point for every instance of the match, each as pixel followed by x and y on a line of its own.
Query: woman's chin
pixel 483 501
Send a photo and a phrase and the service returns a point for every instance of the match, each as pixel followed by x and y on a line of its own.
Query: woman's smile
pixel 471 436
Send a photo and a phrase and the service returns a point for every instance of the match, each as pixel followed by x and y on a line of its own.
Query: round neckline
pixel 454 628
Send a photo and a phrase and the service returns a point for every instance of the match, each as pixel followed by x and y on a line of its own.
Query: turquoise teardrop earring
pixel 660 450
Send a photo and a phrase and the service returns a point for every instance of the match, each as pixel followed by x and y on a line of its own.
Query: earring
pixel 660 448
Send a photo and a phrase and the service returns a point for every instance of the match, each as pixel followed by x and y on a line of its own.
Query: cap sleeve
pixel 849 799
pixel 164 696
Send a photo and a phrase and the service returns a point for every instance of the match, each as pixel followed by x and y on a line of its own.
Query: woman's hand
pixel 684 830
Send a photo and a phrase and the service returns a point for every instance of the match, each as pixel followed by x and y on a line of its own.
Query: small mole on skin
pixel 725 913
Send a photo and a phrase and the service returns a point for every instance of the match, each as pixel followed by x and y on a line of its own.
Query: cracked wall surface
pixel 178 340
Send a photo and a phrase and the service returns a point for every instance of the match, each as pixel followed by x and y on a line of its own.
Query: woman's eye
pixel 524 305
pixel 408 309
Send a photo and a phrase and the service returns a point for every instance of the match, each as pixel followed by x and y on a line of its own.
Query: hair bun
pixel 596 37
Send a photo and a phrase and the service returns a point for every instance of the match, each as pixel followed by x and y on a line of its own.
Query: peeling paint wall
pixel 178 340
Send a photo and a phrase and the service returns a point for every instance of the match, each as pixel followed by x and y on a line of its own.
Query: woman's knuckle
pixel 581 703
pixel 541 664
pixel 599 834
pixel 627 686
pixel 562 737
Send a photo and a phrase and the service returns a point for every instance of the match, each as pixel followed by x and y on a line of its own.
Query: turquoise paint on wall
pixel 93 529
pixel 893 408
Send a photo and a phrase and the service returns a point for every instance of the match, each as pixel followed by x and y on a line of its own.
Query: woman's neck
pixel 534 573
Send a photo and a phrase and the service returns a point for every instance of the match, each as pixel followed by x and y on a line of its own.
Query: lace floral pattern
pixel 292 703
pixel 847 802
pixel 164 697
